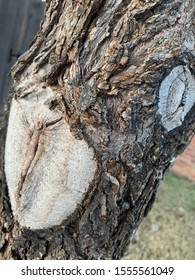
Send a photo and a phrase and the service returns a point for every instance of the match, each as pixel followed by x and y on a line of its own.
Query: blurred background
pixel 19 22
pixel 169 230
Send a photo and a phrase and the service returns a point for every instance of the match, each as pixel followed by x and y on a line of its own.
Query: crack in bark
pixel 33 154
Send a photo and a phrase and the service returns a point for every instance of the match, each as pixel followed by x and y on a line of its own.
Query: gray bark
pixel 122 76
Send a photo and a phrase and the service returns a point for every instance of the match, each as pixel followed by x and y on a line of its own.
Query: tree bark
pixel 108 85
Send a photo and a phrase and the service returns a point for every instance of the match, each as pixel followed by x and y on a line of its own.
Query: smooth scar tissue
pixel 48 171
pixel 176 97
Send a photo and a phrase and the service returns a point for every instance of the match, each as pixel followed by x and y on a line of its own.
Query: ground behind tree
pixel 168 232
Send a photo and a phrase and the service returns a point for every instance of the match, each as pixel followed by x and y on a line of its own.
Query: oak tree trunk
pixel 101 104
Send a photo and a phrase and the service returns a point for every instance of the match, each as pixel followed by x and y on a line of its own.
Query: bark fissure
pixel 35 149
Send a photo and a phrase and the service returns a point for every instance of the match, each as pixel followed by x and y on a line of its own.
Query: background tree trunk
pixel 120 76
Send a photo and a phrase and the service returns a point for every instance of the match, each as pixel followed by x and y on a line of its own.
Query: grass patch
pixel 168 232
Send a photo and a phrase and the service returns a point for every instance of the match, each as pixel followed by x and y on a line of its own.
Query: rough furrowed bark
pixel 114 79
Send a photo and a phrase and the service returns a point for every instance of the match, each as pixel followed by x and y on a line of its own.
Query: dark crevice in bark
pixel 56 10
pixel 160 6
